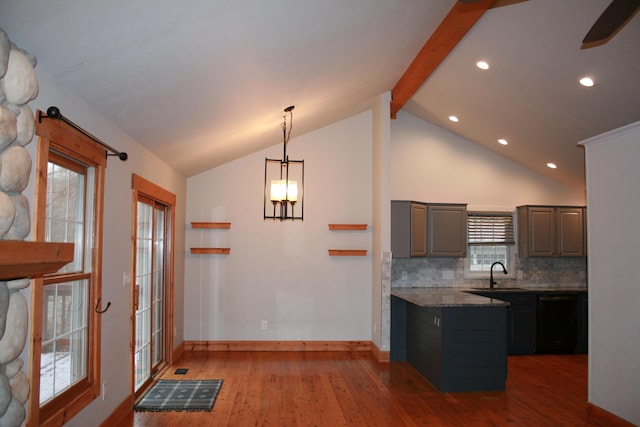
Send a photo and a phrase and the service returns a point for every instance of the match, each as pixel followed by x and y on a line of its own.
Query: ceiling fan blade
pixel 612 19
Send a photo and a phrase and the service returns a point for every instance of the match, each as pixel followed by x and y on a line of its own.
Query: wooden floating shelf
pixel 225 225
pixel 347 226
pixel 210 251
pixel 347 252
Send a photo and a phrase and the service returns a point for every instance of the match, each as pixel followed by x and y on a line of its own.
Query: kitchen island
pixel 456 340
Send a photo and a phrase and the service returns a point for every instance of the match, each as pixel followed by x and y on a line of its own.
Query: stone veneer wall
pixel 543 272
pixel 385 333
pixel 18 86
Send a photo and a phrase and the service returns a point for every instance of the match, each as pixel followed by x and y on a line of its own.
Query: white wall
pixel 116 324
pixel 430 164
pixel 280 271
pixel 614 278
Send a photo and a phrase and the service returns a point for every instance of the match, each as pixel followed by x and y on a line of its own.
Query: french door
pixel 150 290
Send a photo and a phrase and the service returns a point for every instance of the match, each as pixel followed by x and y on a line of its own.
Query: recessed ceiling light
pixel 454 119
pixel 503 141
pixel 586 81
pixel 551 165
pixel 483 65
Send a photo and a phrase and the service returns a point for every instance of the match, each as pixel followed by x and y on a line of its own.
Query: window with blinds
pixel 490 228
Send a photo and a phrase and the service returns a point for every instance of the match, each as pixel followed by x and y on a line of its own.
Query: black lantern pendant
pixel 284 181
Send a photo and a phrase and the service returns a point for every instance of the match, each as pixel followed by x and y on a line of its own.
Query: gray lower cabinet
pixel 454 348
pixel 522 326
pixel 521 320
pixel 522 330
pixel 583 324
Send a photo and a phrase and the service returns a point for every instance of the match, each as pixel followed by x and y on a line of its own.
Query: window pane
pixel 481 257
pixel 143 368
pixel 143 347
pixel 78 354
pixel 64 211
pixel 156 339
pixel 63 360
pixel 47 365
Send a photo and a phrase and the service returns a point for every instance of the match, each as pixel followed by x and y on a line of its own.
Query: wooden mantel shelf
pixel 20 259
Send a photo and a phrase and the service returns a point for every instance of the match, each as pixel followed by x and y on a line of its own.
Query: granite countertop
pixel 443 297
pixel 537 289
pixel 461 297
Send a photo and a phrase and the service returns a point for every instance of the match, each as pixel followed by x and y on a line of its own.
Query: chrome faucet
pixel 504 269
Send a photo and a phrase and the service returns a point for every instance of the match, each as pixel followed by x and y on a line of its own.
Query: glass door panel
pixel 149 292
pixel 144 236
pixel 157 294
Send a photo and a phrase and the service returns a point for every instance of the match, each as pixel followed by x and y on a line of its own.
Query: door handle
pixel 136 297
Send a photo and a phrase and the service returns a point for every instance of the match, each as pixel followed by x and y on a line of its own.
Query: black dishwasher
pixel 557 324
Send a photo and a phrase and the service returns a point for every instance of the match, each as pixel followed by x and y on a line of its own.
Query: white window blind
pixel 490 228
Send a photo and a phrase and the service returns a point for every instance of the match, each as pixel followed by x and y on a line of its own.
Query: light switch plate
pixel 126 279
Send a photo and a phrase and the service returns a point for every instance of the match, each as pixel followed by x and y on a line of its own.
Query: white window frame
pixel 59 139
pixel 511 257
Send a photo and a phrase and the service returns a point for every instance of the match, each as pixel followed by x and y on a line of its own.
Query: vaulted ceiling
pixel 202 82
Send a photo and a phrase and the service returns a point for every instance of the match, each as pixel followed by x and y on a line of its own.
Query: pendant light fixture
pixel 284 181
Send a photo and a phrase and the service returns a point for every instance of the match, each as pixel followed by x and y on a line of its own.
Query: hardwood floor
pixel 350 388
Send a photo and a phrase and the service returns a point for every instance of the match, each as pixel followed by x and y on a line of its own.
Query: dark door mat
pixel 180 395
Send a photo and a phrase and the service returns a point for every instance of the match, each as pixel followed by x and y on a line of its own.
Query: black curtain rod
pixel 54 113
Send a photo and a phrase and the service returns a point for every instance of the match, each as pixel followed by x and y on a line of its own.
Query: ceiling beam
pixel 444 39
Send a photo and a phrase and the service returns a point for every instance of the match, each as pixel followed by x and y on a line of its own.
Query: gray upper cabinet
pixel 546 231
pixel 418 229
pixel 408 229
pixel 570 231
pixel 421 229
pixel 447 225
pixel 536 231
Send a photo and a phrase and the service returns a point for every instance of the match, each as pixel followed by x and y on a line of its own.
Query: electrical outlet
pixel 264 325
pixel 104 390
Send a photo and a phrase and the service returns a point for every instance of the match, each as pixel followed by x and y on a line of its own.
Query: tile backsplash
pixel 449 272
